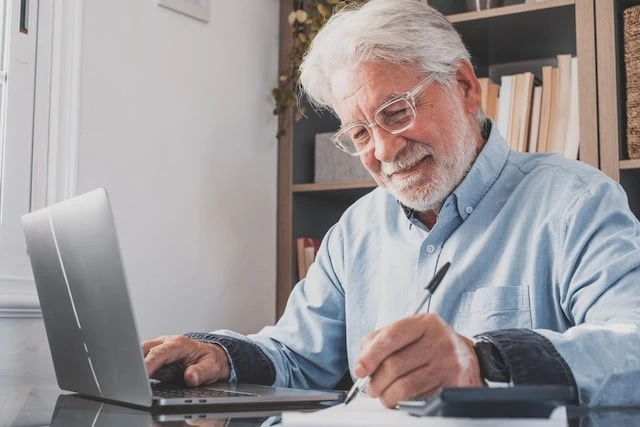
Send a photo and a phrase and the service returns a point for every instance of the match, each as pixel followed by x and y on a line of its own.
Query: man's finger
pixel 148 345
pixel 400 363
pixel 365 342
pixel 170 373
pixel 204 372
pixel 420 382
pixel 390 339
pixel 164 354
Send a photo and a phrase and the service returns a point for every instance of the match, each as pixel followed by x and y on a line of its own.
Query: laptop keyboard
pixel 169 392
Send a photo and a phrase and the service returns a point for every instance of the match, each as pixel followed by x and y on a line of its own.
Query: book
pixel 484 92
pixel 572 140
pixel 504 107
pixel 513 117
pixel 559 132
pixel 522 111
pixel 307 248
pixel 489 97
pixel 535 119
pixel 492 102
pixel 545 109
pixel 553 107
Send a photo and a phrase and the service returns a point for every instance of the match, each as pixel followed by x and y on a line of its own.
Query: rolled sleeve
pixel 247 362
pixel 531 358
pixel 598 284
pixel 306 348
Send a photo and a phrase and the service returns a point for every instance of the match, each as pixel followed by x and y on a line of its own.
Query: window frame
pixel 44 171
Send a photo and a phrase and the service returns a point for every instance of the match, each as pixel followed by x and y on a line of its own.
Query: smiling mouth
pixel 410 169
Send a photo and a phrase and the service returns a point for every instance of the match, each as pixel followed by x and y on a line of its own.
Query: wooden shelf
pixel 508 10
pixel 630 164
pixel 546 29
pixel 332 186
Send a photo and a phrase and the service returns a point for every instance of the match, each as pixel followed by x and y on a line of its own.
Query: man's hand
pixel 179 358
pixel 415 357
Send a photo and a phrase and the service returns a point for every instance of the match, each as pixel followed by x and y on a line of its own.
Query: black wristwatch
pixel 492 366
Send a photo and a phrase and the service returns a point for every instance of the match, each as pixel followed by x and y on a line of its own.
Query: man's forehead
pixel 370 83
pixel 348 82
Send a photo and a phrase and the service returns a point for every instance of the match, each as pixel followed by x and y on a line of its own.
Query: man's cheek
pixel 368 162
pixel 373 167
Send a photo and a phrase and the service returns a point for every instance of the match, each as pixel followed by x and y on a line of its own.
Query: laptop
pixel 88 317
pixel 73 410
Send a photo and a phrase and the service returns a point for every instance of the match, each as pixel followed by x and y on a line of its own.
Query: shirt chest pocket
pixel 493 308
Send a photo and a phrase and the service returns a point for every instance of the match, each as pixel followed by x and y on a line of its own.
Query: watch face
pixel 492 366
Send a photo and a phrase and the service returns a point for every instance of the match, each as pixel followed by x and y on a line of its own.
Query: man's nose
pixel 386 145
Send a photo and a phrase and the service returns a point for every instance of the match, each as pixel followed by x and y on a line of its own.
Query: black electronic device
pixel 504 402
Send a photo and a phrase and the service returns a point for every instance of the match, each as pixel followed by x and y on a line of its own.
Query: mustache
pixel 411 155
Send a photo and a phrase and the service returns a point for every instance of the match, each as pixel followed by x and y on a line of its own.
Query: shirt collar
pixel 483 174
pixel 485 171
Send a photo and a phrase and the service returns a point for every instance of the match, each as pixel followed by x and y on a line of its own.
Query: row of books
pixel 536 116
pixel 307 248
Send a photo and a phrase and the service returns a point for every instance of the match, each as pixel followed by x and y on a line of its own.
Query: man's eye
pixel 396 114
pixel 359 135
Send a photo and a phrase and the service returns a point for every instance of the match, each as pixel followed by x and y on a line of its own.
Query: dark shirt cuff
pixel 250 363
pixel 531 358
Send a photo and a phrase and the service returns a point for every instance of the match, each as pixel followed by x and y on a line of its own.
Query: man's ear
pixel 469 87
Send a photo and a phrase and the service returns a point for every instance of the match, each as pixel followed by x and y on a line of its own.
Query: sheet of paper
pixel 365 411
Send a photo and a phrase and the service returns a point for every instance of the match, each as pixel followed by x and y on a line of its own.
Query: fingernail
pixel 194 378
pixel 358 370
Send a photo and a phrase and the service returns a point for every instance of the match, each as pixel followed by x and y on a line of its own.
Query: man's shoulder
pixel 556 170
pixel 373 210
pixel 371 205
pixel 559 186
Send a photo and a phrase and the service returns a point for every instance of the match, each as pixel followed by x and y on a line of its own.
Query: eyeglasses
pixel 395 116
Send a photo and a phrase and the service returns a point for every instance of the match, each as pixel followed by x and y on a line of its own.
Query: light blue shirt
pixel 536 241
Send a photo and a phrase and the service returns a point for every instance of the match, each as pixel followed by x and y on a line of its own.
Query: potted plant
pixel 306 19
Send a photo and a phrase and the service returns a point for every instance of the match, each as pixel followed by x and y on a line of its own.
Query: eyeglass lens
pixel 396 116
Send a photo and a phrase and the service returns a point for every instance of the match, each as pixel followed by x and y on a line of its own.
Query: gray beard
pixel 445 175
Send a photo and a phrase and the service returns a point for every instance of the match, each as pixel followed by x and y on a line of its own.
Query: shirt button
pixel 431 249
pixel 469 209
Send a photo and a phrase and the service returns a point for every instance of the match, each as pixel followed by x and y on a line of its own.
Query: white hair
pixel 395 31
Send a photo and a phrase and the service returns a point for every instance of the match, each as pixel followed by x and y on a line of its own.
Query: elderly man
pixel 544 284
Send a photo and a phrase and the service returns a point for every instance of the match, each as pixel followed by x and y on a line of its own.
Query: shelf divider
pixel 630 164
pixel 332 186
pixel 507 10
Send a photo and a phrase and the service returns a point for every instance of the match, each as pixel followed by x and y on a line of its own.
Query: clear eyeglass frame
pixel 342 138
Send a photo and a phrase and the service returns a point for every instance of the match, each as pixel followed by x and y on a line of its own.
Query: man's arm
pixel 306 348
pixel 598 281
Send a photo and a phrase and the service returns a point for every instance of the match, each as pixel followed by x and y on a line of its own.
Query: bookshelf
pixel 630 164
pixel 508 10
pixel 612 99
pixel 506 40
pixel 333 186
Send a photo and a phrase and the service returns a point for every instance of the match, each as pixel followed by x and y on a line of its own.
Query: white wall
pixel 176 123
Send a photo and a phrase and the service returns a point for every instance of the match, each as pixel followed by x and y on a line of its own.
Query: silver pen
pixel 430 289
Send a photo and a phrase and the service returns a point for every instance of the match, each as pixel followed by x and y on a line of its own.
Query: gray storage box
pixel 333 165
